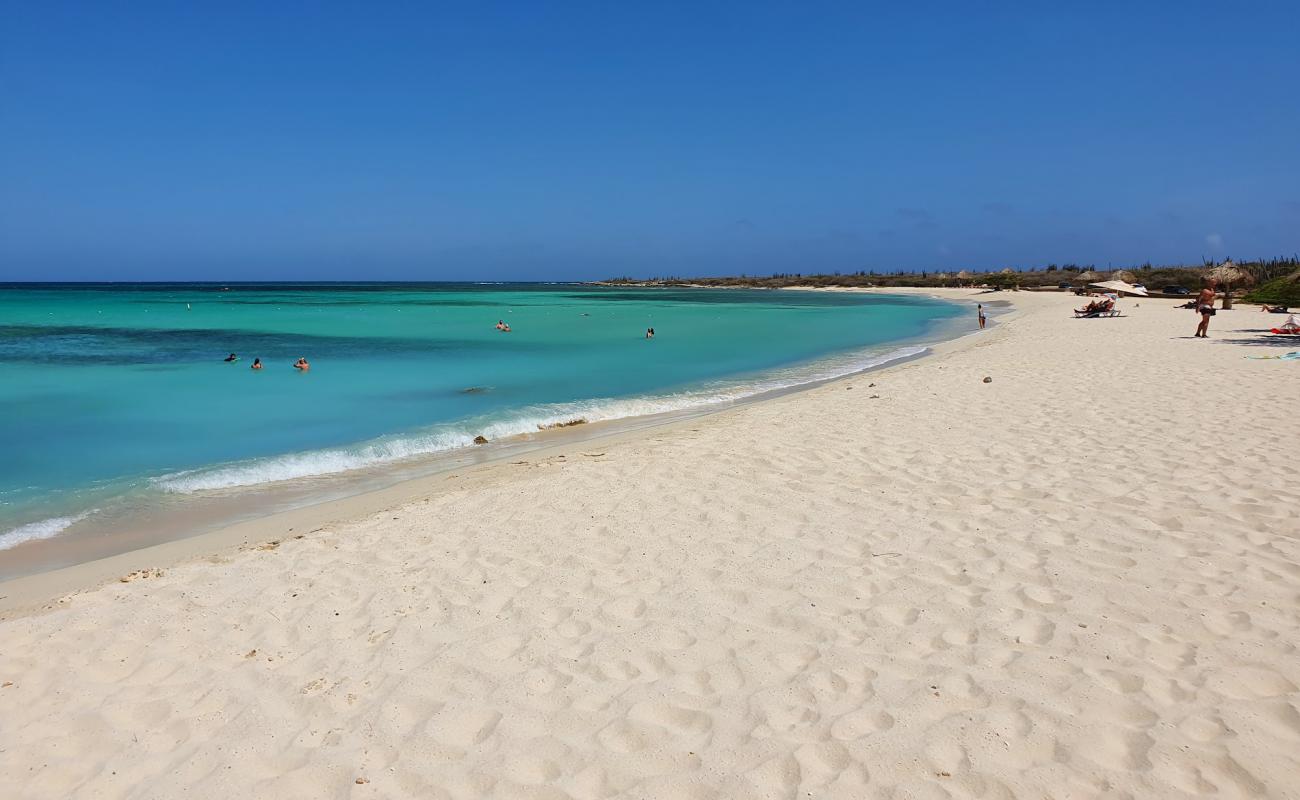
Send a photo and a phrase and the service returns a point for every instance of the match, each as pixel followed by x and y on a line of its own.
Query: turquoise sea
pixel 118 394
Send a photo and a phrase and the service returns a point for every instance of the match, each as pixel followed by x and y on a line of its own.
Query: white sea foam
pixel 42 529
pixel 442 438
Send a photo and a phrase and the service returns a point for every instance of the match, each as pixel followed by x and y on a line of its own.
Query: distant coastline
pixel 1258 274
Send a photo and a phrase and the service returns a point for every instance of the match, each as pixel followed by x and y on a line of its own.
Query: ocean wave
pixel 451 436
pixel 42 529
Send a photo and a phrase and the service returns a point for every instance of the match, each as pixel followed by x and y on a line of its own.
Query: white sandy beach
pixel 1079 580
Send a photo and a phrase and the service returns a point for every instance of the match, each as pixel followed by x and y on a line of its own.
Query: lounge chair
pixel 1102 309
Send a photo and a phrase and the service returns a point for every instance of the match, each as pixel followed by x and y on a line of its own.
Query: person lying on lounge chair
pixel 1097 306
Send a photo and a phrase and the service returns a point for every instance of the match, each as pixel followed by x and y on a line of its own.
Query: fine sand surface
pixel 1079 580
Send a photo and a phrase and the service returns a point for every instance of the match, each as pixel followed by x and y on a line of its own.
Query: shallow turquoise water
pixel 111 389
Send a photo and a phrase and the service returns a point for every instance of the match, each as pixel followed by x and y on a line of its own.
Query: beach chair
pixel 1090 311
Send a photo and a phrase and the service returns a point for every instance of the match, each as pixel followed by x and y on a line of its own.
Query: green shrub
pixel 1280 292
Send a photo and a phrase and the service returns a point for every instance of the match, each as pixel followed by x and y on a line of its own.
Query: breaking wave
pixel 450 436
pixel 43 529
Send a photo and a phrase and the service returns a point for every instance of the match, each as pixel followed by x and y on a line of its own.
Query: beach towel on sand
pixel 1292 356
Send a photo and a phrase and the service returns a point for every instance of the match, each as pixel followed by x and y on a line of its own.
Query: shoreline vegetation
pixel 1275 280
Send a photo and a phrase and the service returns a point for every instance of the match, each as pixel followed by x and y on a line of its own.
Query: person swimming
pixel 257 363
pixel 301 364
pixel 649 333
pixel 501 325
pixel 232 358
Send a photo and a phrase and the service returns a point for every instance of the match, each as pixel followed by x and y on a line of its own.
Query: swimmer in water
pixel 649 333
pixel 232 358
pixel 505 327
pixel 257 363
pixel 501 325
pixel 301 364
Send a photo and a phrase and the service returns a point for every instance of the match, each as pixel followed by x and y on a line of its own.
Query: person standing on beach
pixel 1205 307
pixel 980 308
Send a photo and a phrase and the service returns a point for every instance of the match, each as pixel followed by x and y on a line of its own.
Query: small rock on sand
pixel 987 379
pixel 480 439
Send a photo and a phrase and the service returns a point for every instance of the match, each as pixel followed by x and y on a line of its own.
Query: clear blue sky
pixel 575 140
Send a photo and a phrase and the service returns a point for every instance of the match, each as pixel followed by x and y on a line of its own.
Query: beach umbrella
pixel 1123 275
pixel 1008 271
pixel 1119 287
pixel 1228 274
pixel 1088 276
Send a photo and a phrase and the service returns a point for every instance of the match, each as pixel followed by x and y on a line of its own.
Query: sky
pixel 558 141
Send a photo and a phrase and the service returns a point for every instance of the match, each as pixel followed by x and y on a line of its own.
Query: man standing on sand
pixel 980 308
pixel 1205 307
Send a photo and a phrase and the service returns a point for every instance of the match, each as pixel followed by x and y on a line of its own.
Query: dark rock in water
pixel 480 440
pixel 987 379
pixel 474 390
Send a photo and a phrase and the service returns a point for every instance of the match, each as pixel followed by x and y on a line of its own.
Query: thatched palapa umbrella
pixel 1088 276
pixel 963 276
pixel 1228 274
pixel 1123 275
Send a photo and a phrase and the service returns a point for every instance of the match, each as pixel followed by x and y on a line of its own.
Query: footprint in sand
pixel 463 726
pixel 675 719
pixel 1202 728
pixel 531 770
pixel 503 647
pixel 626 608
pixel 1249 683
pixel 1227 623
pixel 778 777
pixel 863 722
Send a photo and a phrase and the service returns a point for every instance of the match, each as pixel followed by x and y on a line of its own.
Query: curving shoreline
pixel 208 500
pixel 1045 584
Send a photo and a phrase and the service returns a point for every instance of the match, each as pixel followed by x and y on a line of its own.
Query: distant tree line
pixel 1262 272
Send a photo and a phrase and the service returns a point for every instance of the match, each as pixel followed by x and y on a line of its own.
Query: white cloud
pixel 1214 240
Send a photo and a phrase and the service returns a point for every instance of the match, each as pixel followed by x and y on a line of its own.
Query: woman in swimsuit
pixel 1205 307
